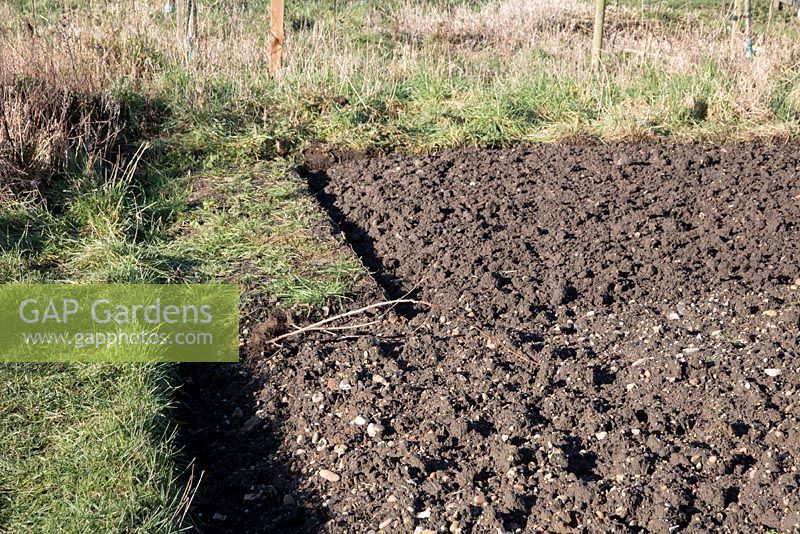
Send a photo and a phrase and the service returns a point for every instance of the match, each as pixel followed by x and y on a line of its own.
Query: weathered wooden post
pixel 189 29
pixel 275 37
pixel 597 43
pixel 748 28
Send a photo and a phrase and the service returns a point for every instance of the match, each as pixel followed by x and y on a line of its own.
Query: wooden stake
pixel 189 29
pixel 275 37
pixel 748 28
pixel 599 21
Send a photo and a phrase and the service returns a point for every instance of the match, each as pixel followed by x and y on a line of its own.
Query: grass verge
pixel 88 448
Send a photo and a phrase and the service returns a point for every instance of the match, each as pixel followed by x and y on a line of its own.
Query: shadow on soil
pixel 246 484
pixel 363 245
pixel 314 171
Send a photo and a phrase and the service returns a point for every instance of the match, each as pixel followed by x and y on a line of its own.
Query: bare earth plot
pixel 611 345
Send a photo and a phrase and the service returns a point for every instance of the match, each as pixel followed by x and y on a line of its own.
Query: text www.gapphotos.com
pixel 80 340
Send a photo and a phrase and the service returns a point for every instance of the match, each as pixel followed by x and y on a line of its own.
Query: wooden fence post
pixel 597 43
pixel 276 36
pixel 748 28
pixel 189 29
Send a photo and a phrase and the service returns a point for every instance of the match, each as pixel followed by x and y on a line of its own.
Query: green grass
pixel 87 448
pixel 255 226
pixel 91 448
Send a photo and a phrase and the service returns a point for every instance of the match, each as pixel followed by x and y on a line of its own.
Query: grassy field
pixel 122 161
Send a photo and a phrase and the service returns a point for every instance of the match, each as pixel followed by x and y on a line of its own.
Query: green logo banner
pixel 119 323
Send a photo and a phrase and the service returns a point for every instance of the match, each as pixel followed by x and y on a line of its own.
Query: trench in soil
pixel 611 347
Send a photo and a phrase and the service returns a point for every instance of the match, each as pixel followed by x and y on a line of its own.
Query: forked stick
pixel 318 324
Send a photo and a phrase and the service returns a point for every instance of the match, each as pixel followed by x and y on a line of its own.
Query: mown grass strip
pixel 87 448
pixel 92 447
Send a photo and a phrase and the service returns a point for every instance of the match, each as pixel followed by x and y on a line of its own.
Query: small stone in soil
pixel 330 476
pixel 772 372
pixel 374 430
pixel 360 421
pixel 318 397
pixel 251 423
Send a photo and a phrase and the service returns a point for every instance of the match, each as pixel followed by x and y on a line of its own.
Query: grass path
pixel 91 447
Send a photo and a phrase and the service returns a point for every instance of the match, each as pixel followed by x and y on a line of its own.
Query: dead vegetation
pixel 47 131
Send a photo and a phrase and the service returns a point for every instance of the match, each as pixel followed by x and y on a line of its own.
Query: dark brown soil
pixel 611 347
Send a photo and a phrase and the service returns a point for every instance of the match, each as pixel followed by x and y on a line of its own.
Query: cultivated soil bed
pixel 610 344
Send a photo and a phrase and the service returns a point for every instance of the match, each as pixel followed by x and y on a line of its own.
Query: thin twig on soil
pixel 319 324
pixel 249 383
pixel 503 345
pixel 349 327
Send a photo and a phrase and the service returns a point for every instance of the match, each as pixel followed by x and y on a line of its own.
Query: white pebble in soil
pixel 330 476
pixel 375 430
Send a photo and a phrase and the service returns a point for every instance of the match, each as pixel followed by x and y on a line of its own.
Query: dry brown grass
pixel 515 29
pixel 650 69
pixel 46 130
